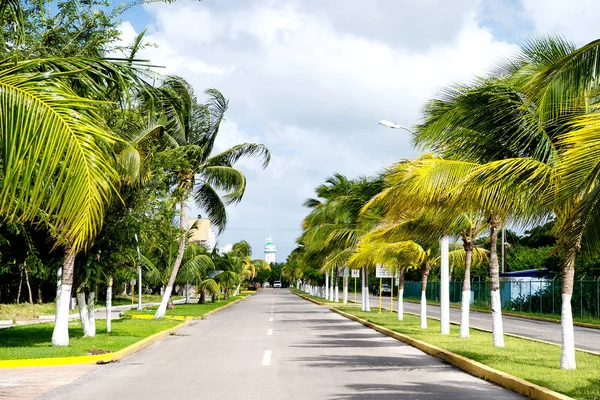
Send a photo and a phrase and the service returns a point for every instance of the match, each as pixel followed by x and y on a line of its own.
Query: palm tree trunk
pixel 331 295
pixel 162 309
pixel 366 289
pixel 424 276
pixel 466 291
pixel 92 313
pixel 336 290
pixel 327 285
pixel 567 354
pixel 27 282
pixel 20 285
pixel 83 314
pixel 109 288
pixel 58 289
pixel 497 331
pixel 60 335
pixel 345 283
pixel 401 295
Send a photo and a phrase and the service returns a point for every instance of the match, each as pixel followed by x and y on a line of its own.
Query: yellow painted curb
pixel 474 368
pixel 96 359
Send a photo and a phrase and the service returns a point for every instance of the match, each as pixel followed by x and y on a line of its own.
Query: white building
pixel 269 250
pixel 203 232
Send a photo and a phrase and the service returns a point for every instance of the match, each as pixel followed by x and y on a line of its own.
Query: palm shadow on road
pixel 447 389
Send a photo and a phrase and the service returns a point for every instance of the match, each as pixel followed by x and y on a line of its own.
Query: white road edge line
pixel 270 332
pixel 267 358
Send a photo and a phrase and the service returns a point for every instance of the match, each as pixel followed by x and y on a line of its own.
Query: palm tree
pixel 194 167
pixel 247 266
pixel 555 171
pixel 335 225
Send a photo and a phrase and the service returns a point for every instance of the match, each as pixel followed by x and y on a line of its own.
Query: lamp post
pixel 444 262
pixel 394 125
pixel 139 270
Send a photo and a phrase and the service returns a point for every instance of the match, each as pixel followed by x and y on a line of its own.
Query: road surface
pixel 585 338
pixel 275 345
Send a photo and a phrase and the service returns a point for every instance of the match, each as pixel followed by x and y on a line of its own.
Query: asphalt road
pixel 275 345
pixel 585 338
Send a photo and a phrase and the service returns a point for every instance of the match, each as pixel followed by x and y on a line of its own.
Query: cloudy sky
pixel 311 79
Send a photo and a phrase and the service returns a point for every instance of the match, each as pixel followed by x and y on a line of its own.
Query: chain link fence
pixel 541 296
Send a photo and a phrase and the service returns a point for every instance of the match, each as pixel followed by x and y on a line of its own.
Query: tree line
pixel 516 148
pixel 100 155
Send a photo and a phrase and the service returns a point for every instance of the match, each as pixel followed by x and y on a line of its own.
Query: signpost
pixel 382 272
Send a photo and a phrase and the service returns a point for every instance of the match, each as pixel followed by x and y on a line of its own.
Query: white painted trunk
pixel 362 293
pixel 187 293
pixel 331 295
pixel 567 354
pixel 60 335
pixel 58 290
pixel 367 297
pixel 337 290
pixel 464 314
pixel 83 314
pixel 162 308
pixel 237 290
pixel 345 291
pixel 401 305
pixel 92 313
pixel 423 310
pixel 109 304
pixel 497 331
pixel 327 285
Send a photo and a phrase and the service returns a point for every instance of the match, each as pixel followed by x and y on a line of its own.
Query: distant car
pixel 277 284
pixel 252 286
pixel 386 290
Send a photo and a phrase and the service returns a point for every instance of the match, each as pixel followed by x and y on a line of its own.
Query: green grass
pixel 25 310
pixel 188 310
pixel 533 361
pixel 585 319
pixel 34 341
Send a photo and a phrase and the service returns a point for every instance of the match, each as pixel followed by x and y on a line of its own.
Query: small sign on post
pixel 356 273
pixel 382 272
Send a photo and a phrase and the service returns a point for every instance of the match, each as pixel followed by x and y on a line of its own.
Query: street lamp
pixel 444 261
pixel 394 125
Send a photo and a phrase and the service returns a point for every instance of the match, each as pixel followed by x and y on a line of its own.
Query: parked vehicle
pixel 277 284
pixel 386 290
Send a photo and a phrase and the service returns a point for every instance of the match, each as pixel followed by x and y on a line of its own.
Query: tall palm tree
pixel 556 170
pixel 196 170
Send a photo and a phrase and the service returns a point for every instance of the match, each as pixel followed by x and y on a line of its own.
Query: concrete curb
pixel 189 317
pixel 510 314
pixel 474 368
pixel 505 334
pixel 320 303
pixel 96 359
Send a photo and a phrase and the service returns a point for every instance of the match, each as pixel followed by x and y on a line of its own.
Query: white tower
pixel 269 250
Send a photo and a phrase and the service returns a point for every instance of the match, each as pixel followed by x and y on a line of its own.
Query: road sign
pixel 345 272
pixel 382 272
pixel 356 273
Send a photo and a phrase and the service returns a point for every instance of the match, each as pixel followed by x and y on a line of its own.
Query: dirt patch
pixel 95 352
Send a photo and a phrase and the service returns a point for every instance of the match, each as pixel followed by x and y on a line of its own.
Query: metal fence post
pixel 553 294
pixel 541 298
pixel 581 298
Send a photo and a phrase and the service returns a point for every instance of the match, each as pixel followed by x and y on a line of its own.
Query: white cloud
pixel 312 82
pixel 576 20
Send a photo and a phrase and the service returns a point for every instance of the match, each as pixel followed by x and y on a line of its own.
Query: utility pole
pixel 503 245
pixel 139 268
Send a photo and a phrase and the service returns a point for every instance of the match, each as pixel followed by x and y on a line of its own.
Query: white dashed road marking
pixel 267 358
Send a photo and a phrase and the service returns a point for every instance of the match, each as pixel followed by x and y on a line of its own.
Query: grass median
pixel 34 341
pixel 533 361
pixel 194 310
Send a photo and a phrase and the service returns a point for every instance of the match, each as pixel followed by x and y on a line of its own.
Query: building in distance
pixel 203 232
pixel 269 250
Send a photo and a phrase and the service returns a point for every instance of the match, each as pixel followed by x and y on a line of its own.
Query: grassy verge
pixel 322 300
pixel 34 341
pixel 526 359
pixel 25 311
pixel 189 310
pixel 556 317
